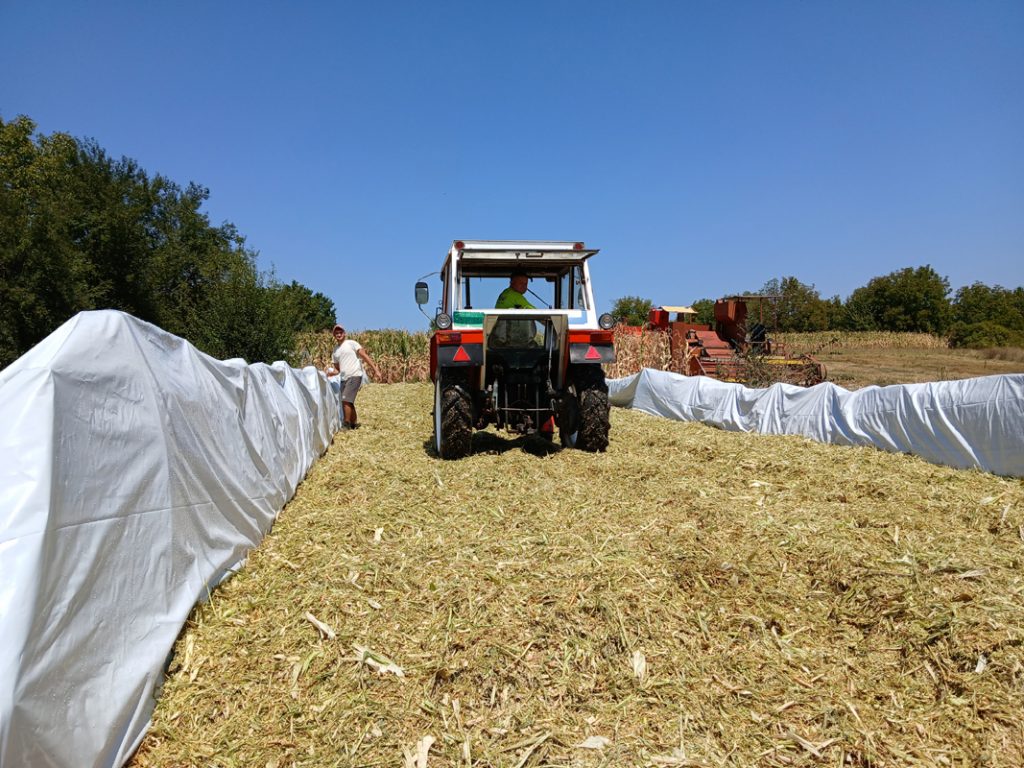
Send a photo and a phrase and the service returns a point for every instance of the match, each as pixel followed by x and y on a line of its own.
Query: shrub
pixel 984 335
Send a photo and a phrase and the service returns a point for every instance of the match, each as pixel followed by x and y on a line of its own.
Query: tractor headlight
pixel 443 321
pixel 606 321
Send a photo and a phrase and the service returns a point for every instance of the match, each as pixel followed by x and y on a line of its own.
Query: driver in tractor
pixel 515 333
pixel 513 297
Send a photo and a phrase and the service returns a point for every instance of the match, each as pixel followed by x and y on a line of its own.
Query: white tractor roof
pixel 523 252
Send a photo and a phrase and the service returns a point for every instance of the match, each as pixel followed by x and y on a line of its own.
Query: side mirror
pixel 422 293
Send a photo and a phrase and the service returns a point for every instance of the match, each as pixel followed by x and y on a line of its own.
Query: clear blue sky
pixel 704 147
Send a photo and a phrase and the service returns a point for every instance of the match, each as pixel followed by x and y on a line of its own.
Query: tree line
pixel 907 300
pixel 80 230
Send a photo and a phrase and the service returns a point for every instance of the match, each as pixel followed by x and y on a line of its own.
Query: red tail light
pixel 577 246
pixel 445 338
pixel 459 245
pixel 591 337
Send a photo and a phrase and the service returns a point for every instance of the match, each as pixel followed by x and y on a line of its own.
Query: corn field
pixel 403 356
pixel 635 351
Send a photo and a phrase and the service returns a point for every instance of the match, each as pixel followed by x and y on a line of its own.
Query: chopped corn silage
pixel 691 597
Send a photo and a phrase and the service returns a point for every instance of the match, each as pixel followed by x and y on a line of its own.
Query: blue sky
pixel 704 147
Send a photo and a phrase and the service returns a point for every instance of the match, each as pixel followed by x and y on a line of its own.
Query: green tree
pixel 247 317
pixel 79 230
pixel 631 310
pixel 309 311
pixel 705 309
pixel 798 307
pixel 835 313
pixel 984 334
pixel 908 300
pixel 195 268
pixel 987 316
pixel 980 303
pixel 44 277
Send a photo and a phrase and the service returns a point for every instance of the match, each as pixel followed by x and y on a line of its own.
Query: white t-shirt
pixel 346 362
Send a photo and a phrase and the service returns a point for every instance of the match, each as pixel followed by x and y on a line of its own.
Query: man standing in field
pixel 347 361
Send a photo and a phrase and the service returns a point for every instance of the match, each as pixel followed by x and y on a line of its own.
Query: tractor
pixel 527 369
pixel 737 348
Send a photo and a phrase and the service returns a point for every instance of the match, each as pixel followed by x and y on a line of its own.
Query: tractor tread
pixel 456 424
pixel 594 420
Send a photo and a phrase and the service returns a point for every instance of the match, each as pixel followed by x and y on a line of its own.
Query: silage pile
pixel 693 597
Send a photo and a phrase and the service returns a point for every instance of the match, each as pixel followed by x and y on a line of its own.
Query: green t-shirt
pixel 510 298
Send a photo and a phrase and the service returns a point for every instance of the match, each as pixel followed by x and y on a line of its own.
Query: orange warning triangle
pixel 592 354
pixel 460 356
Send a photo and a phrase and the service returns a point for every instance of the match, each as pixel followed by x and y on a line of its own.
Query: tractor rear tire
pixel 594 420
pixel 584 420
pixel 453 422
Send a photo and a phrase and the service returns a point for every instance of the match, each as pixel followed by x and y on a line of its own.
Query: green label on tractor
pixel 473 319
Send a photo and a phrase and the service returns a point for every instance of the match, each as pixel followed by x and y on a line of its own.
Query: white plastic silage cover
pixel 968 423
pixel 135 473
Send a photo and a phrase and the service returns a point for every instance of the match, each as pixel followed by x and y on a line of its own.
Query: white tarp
pixel 968 423
pixel 135 473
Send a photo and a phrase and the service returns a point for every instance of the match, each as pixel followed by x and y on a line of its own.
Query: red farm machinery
pixel 736 347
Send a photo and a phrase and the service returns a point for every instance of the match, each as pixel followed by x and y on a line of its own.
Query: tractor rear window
pixel 552 291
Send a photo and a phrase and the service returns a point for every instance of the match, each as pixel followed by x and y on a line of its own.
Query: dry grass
pixel 856 360
pixel 693 597
pixel 828 341
pixel 854 368
pixel 1011 354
